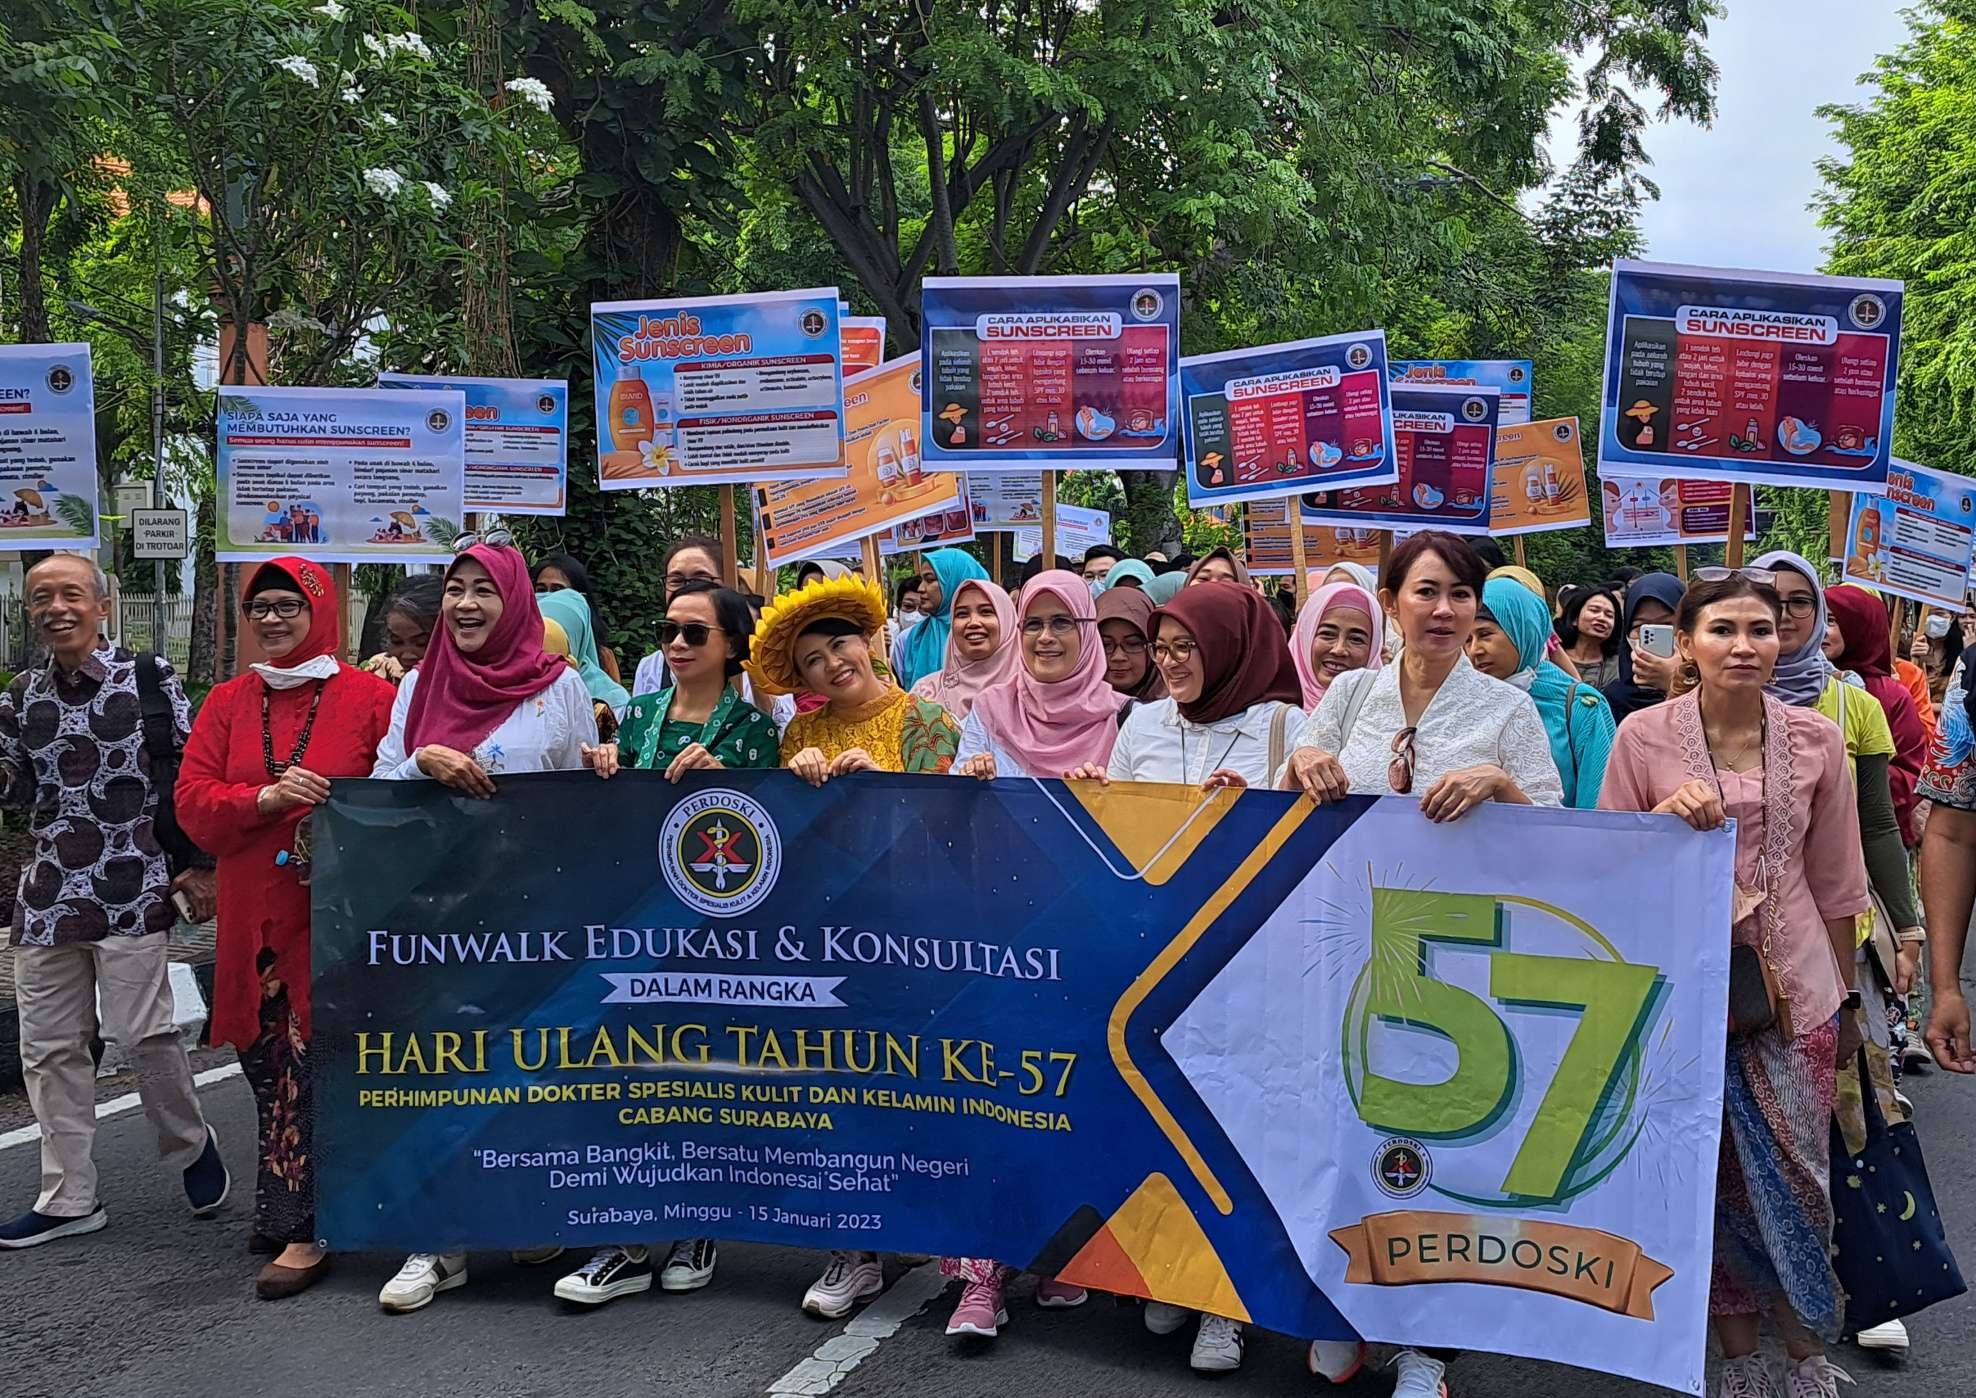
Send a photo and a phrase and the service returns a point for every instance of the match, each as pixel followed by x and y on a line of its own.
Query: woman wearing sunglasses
pixel 1727 750
pixel 1429 725
pixel 701 722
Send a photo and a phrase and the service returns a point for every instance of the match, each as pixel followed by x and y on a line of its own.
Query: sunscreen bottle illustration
pixel 631 411
pixel 909 448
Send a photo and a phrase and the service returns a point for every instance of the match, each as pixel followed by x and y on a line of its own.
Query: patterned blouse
pixel 902 734
pixel 736 732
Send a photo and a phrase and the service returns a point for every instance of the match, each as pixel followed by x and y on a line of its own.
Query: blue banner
pixel 1511 378
pixel 1241 1053
pixel 1284 418
pixel 1069 372
pixel 1750 376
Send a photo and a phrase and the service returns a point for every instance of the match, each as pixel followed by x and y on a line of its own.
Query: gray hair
pixel 96 573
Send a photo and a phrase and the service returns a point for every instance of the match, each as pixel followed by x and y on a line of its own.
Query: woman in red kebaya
pixel 259 760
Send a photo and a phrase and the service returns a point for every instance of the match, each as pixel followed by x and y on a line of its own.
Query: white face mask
pixel 908 620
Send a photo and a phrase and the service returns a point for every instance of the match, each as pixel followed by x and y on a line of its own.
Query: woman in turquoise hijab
pixel 922 651
pixel 1129 571
pixel 568 610
pixel 1166 587
pixel 1508 642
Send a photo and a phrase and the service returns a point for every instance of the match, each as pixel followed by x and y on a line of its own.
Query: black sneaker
pixel 609 1274
pixel 33 1228
pixel 206 1179
pixel 689 1266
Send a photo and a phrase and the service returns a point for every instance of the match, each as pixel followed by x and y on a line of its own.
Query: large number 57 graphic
pixel 1584 1125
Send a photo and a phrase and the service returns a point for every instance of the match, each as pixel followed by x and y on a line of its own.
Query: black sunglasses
pixel 695 632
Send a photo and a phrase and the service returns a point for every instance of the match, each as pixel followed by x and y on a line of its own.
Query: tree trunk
pixel 37 202
pixel 1150 521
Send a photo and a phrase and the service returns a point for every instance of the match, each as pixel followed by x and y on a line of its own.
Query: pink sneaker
pixel 980 1311
pixel 1059 1295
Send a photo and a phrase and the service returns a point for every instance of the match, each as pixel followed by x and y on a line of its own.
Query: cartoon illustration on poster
pixel 517 437
pixel 1539 480
pixel 1078 529
pixel 1266 541
pixel 344 475
pixel 1071 371
pixel 1915 540
pixel 1444 439
pixel 715 389
pixel 886 484
pixel 1004 503
pixel 1511 378
pixel 1642 511
pixel 863 339
pixel 1285 418
pixel 48 490
pixel 1750 376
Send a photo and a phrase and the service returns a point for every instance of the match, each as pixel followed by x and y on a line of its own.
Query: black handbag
pixel 1888 1247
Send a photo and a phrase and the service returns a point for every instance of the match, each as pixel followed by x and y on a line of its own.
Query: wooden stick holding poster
pixel 1299 559
pixel 1681 563
pixel 1522 561
pixel 730 549
pixel 1049 520
pixel 874 565
pixel 1739 514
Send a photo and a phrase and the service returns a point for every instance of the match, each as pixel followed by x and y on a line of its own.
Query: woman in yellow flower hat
pixel 820 638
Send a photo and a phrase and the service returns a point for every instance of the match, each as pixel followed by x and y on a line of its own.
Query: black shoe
pixel 260 1244
pixel 206 1179
pixel 34 1228
pixel 609 1274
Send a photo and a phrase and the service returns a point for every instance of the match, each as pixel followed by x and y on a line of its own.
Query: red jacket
pixel 263 904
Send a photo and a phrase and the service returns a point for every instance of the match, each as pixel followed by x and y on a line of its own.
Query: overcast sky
pixel 1736 194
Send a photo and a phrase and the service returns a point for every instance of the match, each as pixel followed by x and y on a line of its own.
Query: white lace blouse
pixel 1471 721
pixel 544 733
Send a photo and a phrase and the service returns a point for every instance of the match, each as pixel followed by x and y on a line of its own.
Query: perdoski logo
pixel 1401 1167
pixel 720 852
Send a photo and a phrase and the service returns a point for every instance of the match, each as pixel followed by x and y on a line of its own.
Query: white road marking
pixel 862 1334
pixel 117 1106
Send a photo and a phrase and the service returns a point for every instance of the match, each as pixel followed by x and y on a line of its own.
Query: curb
pixel 10 1030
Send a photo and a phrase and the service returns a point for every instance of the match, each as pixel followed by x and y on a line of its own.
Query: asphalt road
pixel 159 1305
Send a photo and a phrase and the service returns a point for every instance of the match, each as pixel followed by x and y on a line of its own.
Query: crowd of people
pixel 1758 694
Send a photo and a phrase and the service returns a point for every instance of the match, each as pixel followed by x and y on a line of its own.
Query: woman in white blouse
pixel 486 700
pixel 1430 724
pixel 1231 709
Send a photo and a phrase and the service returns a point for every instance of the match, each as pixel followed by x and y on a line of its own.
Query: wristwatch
pixel 1851 1002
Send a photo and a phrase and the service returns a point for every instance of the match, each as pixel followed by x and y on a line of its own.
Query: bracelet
pixel 1912 936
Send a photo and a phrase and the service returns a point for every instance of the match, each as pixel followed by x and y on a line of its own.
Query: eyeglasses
pixel 1174 652
pixel 695 633
pixel 1058 625
pixel 1762 577
pixel 287 608
pixel 1399 772
pixel 1801 605
pixel 1129 645
pixel 675 581
pixel 494 538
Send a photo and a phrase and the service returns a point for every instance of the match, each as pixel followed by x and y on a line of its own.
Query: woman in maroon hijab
pixel 1868 653
pixel 259 760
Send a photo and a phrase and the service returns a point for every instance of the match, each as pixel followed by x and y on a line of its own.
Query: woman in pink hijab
pixel 981 649
pixel 1056 712
pixel 1341 629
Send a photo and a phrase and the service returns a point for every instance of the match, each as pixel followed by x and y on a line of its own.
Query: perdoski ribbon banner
pixel 1242 1053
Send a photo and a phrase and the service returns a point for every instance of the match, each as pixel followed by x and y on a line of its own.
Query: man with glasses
pixel 95 904
pixel 1098 560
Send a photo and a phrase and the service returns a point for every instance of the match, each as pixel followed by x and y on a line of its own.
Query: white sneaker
pixel 850 1278
pixel 1163 1318
pixel 1336 1360
pixel 1421 1375
pixel 424 1276
pixel 1816 1377
pixel 689 1266
pixel 609 1274
pixel 1890 1338
pixel 1746 1377
pixel 1915 1058
pixel 1217 1345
